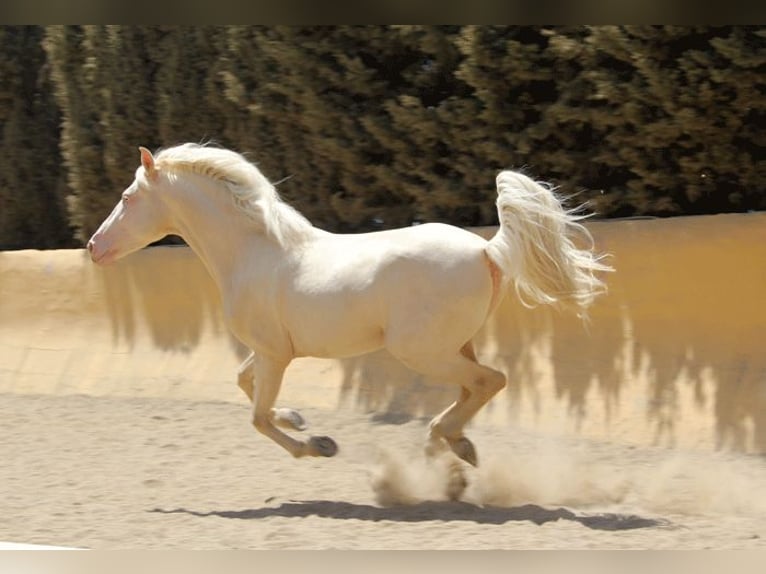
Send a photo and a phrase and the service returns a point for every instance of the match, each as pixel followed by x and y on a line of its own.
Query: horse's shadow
pixel 428 511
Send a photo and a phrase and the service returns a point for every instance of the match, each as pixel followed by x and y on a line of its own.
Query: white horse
pixel 290 289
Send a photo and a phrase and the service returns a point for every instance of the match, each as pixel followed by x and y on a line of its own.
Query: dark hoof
pixel 464 449
pixel 323 446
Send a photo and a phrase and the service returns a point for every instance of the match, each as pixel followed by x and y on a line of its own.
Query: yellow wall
pixel 673 355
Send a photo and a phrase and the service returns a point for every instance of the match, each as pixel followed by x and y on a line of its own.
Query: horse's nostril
pixel 90 246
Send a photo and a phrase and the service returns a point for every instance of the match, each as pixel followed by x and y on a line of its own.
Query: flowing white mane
pixel 252 193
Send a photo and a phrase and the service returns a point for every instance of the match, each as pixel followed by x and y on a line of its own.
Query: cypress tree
pixel 259 82
pixel 129 115
pixel 382 126
pixel 188 60
pixel 725 111
pixel 350 109
pixel 32 186
pixel 72 53
pixel 347 77
pixel 306 96
pixel 672 109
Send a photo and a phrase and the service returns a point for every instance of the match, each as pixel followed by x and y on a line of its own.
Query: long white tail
pixel 535 246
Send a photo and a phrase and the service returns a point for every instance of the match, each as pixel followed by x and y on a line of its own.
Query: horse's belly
pixel 326 326
pixel 336 341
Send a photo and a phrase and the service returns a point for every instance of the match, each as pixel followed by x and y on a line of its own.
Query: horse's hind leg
pixel 283 416
pixel 478 385
pixel 461 445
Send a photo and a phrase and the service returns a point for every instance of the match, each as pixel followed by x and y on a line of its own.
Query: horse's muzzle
pixel 95 255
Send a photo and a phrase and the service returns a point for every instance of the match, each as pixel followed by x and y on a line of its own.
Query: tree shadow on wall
pixel 167 291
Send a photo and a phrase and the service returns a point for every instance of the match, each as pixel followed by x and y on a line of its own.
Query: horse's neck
pixel 219 234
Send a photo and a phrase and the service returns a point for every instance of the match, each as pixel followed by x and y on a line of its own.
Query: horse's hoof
pixel 464 449
pixel 323 446
pixel 289 418
pixel 456 480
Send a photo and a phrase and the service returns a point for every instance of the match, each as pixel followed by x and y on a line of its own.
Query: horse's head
pixel 139 218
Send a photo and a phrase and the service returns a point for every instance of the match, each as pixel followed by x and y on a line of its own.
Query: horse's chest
pixel 256 323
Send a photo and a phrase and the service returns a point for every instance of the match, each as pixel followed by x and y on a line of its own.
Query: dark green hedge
pixel 382 126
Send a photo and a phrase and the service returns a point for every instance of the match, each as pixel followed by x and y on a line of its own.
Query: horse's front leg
pixel 269 373
pixel 283 416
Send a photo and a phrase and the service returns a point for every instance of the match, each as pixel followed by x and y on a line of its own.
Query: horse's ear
pixel 147 160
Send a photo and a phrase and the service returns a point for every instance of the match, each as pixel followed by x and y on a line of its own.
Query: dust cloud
pixel 659 481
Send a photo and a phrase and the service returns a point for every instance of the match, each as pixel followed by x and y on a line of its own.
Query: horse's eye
pixel 125 198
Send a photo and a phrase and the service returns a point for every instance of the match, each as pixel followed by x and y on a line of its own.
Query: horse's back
pixel 419 257
pixel 442 240
pixel 432 254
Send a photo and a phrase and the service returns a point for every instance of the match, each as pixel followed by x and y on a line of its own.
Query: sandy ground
pixel 127 473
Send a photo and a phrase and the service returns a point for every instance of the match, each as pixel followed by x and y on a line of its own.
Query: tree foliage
pixel 365 127
pixel 32 185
